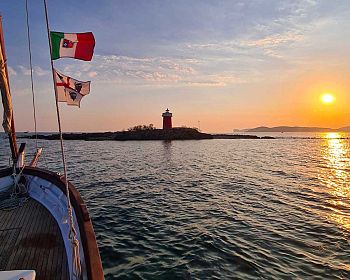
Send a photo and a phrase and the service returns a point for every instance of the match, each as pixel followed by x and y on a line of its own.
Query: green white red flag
pixel 70 90
pixel 74 45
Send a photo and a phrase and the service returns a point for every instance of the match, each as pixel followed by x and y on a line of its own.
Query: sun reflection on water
pixel 337 159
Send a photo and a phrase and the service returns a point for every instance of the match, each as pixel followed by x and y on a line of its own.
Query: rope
pixel 44 157
pixel 31 76
pixel 11 199
pixel 72 231
pixel 12 203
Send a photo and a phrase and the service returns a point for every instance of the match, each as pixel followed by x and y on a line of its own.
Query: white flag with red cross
pixel 70 90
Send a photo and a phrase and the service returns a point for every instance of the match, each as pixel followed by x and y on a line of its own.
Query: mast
pixel 6 98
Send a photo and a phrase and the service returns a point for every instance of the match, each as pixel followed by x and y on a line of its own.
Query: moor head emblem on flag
pixel 67 43
pixel 78 86
pixel 70 90
pixel 73 95
pixel 61 77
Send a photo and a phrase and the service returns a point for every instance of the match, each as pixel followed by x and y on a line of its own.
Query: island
pixel 143 133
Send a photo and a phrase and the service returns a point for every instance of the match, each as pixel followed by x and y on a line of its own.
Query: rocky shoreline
pixel 178 133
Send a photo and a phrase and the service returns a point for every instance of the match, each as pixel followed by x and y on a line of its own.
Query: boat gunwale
pixel 91 252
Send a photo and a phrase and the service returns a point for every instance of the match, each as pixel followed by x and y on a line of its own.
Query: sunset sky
pixel 228 64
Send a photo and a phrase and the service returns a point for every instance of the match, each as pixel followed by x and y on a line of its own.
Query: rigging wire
pixel 77 269
pixel 31 76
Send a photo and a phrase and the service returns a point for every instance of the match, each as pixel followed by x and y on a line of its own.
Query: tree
pixel 142 127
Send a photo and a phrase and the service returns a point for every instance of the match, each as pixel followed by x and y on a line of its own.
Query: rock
pixel 178 133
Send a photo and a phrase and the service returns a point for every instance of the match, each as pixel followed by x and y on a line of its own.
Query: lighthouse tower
pixel 167 119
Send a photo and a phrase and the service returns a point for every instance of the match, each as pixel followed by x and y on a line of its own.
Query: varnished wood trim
pixel 87 234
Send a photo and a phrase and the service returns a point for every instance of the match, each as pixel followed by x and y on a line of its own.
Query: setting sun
pixel 327 98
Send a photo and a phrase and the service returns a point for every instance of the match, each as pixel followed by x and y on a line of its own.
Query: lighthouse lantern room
pixel 167 119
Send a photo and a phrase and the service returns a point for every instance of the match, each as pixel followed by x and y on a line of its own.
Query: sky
pixel 222 65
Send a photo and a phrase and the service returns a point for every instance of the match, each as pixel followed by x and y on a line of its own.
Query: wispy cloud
pixel 24 70
pixel 140 71
pixel 274 40
pixel 92 74
pixel 12 72
pixel 233 51
pixel 37 71
pixel 143 70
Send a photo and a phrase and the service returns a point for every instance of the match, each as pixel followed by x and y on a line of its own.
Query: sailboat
pixel 45 228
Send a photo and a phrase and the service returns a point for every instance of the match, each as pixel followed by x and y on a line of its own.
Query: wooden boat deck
pixel 31 239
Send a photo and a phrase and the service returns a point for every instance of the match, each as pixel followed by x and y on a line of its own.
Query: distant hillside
pixel 345 129
pixel 292 129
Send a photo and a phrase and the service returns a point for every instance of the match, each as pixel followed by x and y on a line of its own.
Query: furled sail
pixel 5 94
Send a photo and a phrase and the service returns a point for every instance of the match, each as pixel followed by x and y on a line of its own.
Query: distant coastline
pixel 181 133
pixel 294 129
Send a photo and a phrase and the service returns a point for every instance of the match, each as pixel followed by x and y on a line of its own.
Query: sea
pixel 214 209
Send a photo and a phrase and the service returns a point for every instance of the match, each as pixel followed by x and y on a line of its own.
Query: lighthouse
pixel 167 119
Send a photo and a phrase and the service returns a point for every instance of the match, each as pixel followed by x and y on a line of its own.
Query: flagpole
pixel 56 98
pixel 72 232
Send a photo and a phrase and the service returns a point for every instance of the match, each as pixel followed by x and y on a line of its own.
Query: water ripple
pixel 216 209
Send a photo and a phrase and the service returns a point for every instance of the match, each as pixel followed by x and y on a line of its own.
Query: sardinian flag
pixel 70 90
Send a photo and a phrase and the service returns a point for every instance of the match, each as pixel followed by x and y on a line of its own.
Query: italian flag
pixel 74 45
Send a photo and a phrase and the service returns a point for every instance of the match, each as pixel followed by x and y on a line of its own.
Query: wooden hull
pixel 47 190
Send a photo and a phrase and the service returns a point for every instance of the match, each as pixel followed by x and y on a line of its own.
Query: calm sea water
pixel 215 209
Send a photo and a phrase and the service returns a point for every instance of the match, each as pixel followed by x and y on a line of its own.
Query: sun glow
pixel 335 177
pixel 327 98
